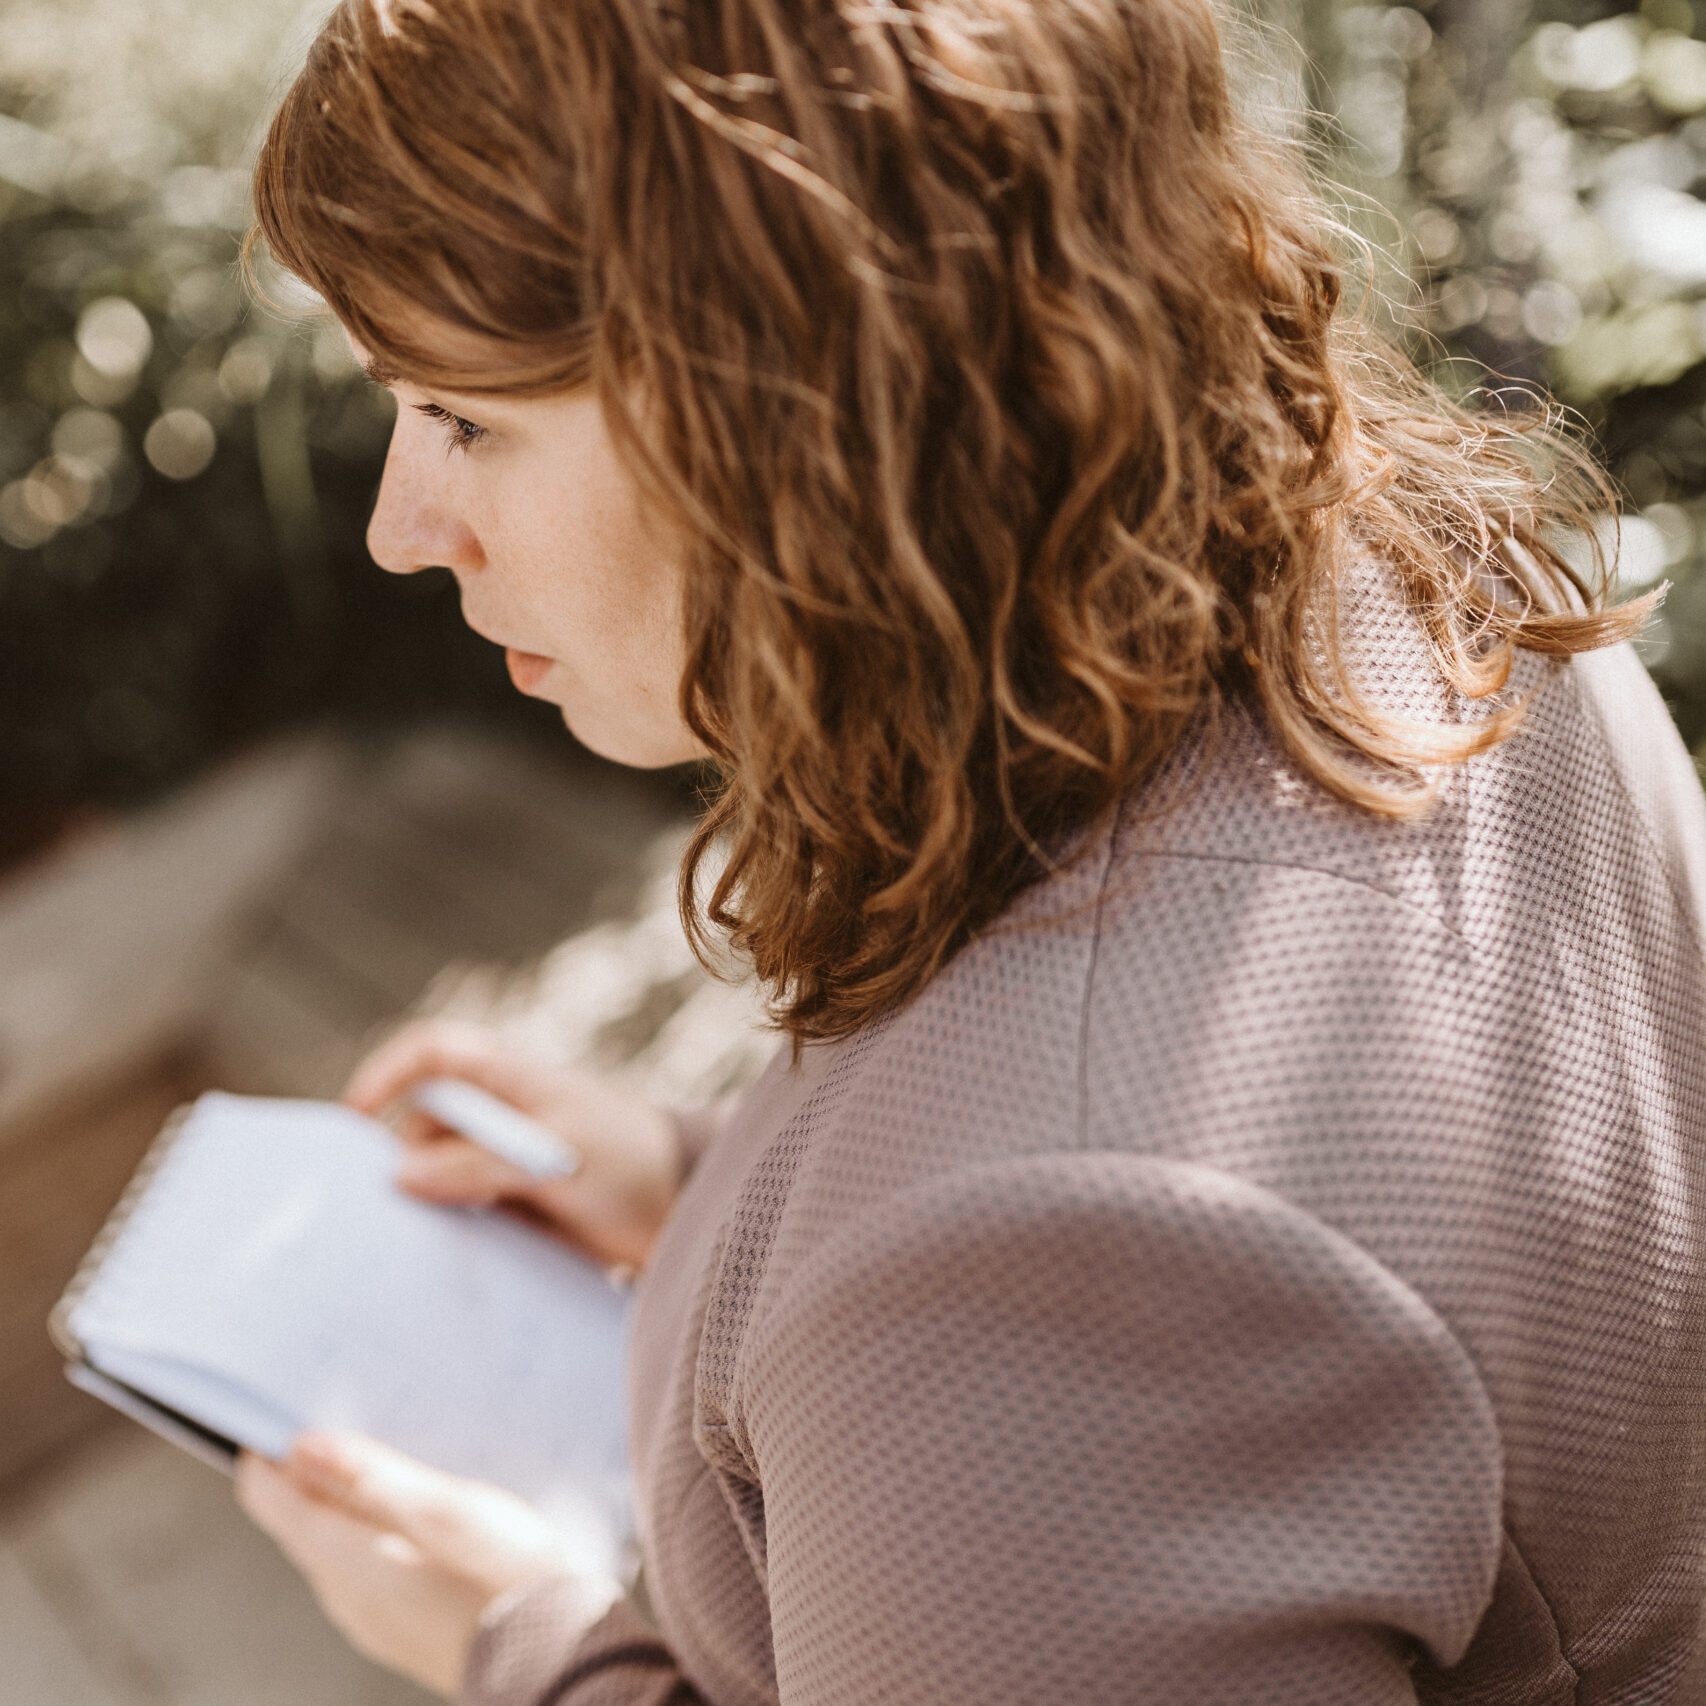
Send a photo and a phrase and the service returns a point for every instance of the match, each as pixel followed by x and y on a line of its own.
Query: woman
pixel 1225 1225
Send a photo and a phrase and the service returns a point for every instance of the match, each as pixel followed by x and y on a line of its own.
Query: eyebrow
pixel 379 373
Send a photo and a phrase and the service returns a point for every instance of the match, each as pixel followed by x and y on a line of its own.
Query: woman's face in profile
pixel 525 500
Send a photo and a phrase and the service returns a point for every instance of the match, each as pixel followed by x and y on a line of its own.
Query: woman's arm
pixel 1092 1427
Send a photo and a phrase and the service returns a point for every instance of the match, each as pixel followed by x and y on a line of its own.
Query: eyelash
pixel 464 435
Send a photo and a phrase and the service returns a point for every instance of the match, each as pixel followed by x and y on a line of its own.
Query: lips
pixel 526 669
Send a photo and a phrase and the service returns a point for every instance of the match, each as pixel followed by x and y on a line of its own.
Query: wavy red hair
pixel 997 373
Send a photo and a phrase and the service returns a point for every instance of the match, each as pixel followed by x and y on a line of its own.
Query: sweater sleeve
pixel 1109 1427
pixel 534 1649
pixel 697 1128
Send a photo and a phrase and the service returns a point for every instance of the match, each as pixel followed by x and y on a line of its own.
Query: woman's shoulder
pixel 1239 920
pixel 1244 971
pixel 1558 878
pixel 1594 783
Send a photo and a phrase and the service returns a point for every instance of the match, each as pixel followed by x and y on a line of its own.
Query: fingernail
pixel 317 1457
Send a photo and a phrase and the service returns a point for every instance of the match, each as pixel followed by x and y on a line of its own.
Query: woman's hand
pixel 612 1208
pixel 405 1559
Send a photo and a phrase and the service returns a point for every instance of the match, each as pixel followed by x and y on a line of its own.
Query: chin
pixel 639 749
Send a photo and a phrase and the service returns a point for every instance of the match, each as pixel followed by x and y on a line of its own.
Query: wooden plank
pixel 450 850
pixel 58 1181
pixel 109 952
pixel 478 870
pixel 140 1556
pixel 44 1664
pixel 518 806
pixel 287 1028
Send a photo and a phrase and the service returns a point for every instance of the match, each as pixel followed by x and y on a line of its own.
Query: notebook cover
pixel 182 1431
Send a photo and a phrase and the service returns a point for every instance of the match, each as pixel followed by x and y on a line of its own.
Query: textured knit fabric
pixel 1266 1269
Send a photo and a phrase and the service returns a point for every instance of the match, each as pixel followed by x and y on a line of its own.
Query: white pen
pixel 496 1126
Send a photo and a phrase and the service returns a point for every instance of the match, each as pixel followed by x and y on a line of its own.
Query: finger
pixel 419 1130
pixel 477 1532
pixel 434 1048
pixel 261 1487
pixel 381 1488
pixel 454 1170
pixel 305 1528
pixel 344 1559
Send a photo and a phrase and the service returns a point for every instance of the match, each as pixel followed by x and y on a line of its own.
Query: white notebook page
pixel 273 1278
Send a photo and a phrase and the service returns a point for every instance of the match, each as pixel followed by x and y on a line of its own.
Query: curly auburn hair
pixel 995 370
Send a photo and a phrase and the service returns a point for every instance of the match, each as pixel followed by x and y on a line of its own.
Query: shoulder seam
pixel 1081 1125
pixel 1385 894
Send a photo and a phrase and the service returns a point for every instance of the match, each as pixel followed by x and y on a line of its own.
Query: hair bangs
pixel 460 269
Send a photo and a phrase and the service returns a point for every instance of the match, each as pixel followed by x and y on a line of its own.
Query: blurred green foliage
pixel 1542 165
pixel 185 478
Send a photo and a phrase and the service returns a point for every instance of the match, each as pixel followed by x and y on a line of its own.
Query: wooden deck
pixel 257 935
pixel 128 1577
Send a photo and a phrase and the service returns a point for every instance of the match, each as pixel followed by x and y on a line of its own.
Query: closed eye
pixel 463 434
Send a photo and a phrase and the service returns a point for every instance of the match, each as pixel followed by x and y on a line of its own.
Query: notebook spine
pixel 59 1321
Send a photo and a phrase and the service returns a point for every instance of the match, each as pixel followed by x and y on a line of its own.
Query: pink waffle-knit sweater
pixel 1267 1269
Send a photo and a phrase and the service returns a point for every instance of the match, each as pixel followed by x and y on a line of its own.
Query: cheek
pixel 634 636
pixel 614 584
pixel 580 573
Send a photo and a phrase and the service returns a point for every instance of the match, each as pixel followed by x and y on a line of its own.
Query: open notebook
pixel 263 1275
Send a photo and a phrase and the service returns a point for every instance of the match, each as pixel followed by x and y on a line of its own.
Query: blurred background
pixel 257 799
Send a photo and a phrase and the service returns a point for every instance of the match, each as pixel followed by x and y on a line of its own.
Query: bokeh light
pixel 180 443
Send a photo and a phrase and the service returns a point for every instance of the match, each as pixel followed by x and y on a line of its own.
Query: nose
pixel 415 522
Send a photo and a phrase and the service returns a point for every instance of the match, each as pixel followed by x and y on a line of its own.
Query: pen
pixel 493 1124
